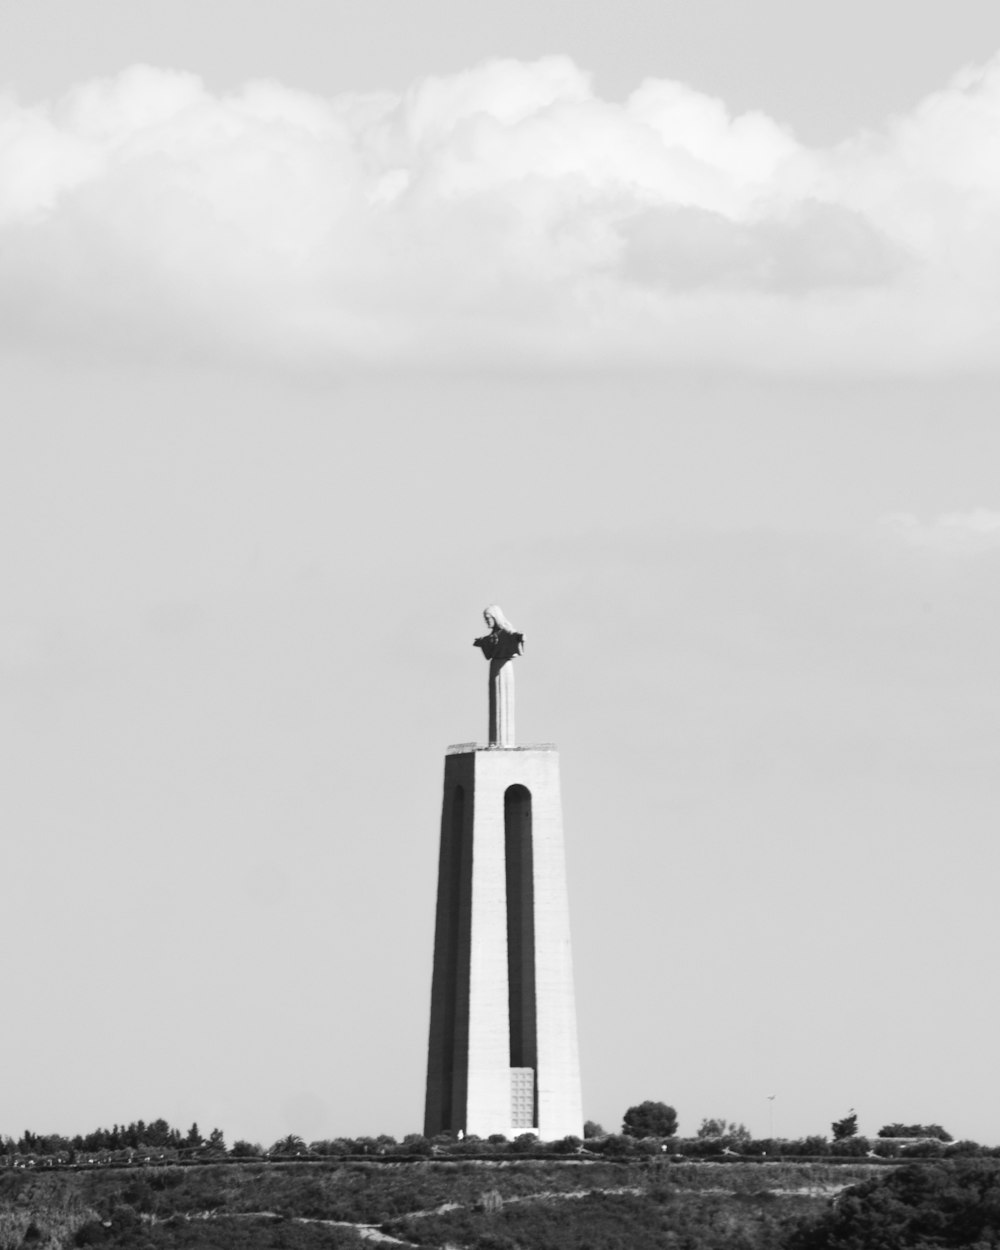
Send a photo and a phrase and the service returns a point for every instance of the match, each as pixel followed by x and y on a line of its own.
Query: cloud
pixel 818 247
pixel 961 533
pixel 502 214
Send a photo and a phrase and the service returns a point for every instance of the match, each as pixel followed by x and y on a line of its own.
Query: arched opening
pixel 521 956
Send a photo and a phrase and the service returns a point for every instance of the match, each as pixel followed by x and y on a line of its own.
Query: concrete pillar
pixel 502 876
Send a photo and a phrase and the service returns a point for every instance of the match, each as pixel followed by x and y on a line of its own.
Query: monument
pixel 502 1056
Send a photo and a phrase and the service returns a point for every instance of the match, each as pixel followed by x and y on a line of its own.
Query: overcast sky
pixel 671 328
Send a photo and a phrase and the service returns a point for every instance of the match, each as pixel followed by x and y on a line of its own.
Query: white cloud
pixel 964 533
pixel 503 213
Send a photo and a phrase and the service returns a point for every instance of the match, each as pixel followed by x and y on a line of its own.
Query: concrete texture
pixel 502 729
pixel 502 995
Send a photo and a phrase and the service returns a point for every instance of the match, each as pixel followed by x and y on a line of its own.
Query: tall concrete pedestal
pixel 503 1052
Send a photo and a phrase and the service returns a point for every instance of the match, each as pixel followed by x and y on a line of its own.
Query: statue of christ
pixel 500 646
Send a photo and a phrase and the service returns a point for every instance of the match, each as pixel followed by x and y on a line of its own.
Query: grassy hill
pixel 501 1205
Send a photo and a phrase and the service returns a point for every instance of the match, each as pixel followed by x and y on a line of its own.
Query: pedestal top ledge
pixel 466 748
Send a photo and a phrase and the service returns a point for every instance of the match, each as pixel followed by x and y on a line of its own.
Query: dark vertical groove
pixel 453 884
pixel 520 929
pixel 447 1052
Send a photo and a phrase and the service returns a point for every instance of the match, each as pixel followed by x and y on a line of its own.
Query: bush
pixel 93 1233
pixel 915 1130
pixel 723 1131
pixel 931 1149
pixel 955 1204
pixel 123 1228
pixel 613 1144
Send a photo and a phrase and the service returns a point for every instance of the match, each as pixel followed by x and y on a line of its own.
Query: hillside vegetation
pixel 543 1204
pixel 505 1204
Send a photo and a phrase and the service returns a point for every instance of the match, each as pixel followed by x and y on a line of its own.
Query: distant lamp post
pixel 770 1118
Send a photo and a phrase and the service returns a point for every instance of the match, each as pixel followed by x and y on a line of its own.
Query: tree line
pixel 157 1135
pixel 647 1127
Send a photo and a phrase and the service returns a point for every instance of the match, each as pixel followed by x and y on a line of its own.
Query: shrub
pixel 915 1130
pixel 723 1130
pixel 956 1204
pixel 930 1149
pixel 698 1147
pixel 850 1147
pixel 613 1144
pixel 93 1233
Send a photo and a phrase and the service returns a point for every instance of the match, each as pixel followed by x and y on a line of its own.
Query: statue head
pixel 495 618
